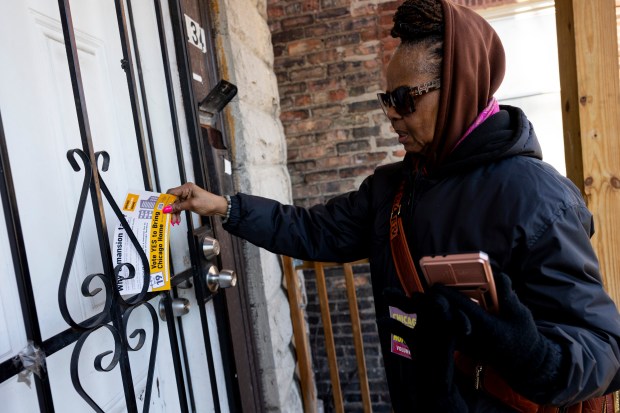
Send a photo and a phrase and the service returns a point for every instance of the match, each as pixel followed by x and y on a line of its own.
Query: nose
pixel 392 114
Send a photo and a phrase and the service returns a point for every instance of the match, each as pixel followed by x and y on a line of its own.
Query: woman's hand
pixel 191 197
pixel 509 340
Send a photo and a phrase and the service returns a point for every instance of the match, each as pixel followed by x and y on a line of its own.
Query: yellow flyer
pixel 143 212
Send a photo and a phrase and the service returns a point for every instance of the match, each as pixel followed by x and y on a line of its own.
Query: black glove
pixel 509 341
pixel 432 343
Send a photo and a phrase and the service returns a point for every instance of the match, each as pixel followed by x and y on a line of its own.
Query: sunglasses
pixel 401 98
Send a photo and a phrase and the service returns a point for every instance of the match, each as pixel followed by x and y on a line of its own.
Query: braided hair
pixel 420 23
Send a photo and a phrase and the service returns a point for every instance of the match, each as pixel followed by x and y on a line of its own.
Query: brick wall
pixel 329 61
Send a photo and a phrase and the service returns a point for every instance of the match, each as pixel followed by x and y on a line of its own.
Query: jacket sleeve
pixel 563 288
pixel 337 231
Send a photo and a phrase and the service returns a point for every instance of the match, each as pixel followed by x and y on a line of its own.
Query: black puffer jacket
pixel 493 194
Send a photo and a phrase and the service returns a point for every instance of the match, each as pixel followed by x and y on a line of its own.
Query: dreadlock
pixel 420 23
pixel 418 19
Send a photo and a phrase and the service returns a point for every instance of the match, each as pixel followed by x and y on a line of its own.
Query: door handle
pixel 210 247
pixel 180 307
pixel 217 279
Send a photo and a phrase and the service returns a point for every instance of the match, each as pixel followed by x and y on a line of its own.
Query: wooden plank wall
pixel 589 76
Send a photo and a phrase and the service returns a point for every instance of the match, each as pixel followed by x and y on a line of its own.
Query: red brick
pixel 321 176
pixel 323 84
pixel 357 91
pixel 353 146
pixel 352 120
pixel 332 13
pixel 294 115
pixel 304 46
pixel 291 88
pixel 287 63
pixel 324 56
pixel 389 7
pixel 326 4
pixel 310 5
pixel 337 95
pixel 286 103
pixel 299 21
pixel 319 98
pixel 333 136
pixel 288 36
pixel 292 154
pixel 305 191
pixel 365 131
pixel 318 152
pixel 319 30
pixel 386 20
pixel 293 8
pixel 300 141
pixel 282 77
pixel 359 23
pixel 366 35
pixel 387 142
pixel 313 72
pixel 343 67
pixel 364 106
pixel 302 166
pixel 363 77
pixel 302 100
pixel 356 172
pixel 342 40
pixel 278 50
pixel 372 158
pixel 366 10
pixel 334 162
pixel 274 11
pixel 308 126
pixel 337 186
pixel 327 110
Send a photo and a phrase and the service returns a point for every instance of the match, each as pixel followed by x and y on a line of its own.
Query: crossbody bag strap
pixel 487 380
pixel 407 273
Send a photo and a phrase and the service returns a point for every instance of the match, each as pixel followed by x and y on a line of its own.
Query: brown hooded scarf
pixel 473 69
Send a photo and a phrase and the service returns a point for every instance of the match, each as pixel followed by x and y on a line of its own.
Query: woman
pixel 472 180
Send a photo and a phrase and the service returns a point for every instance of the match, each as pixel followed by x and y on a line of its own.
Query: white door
pixel 40 124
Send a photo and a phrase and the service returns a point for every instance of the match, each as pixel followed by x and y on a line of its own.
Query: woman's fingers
pixel 191 197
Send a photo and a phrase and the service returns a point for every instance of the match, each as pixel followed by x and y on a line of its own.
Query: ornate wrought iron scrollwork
pixel 141 340
pixel 119 340
pixel 143 258
pixel 62 290
pixel 124 307
pixel 77 224
pixel 75 357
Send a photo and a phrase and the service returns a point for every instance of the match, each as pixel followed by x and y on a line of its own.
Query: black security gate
pixel 114 317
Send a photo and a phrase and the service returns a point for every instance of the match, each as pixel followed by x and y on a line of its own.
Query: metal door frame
pixel 232 307
pixel 117 310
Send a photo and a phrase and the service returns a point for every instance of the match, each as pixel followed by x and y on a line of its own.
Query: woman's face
pixel 415 130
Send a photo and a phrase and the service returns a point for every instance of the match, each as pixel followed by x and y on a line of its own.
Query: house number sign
pixel 195 34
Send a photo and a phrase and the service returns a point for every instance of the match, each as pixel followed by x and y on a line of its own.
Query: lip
pixel 402 136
